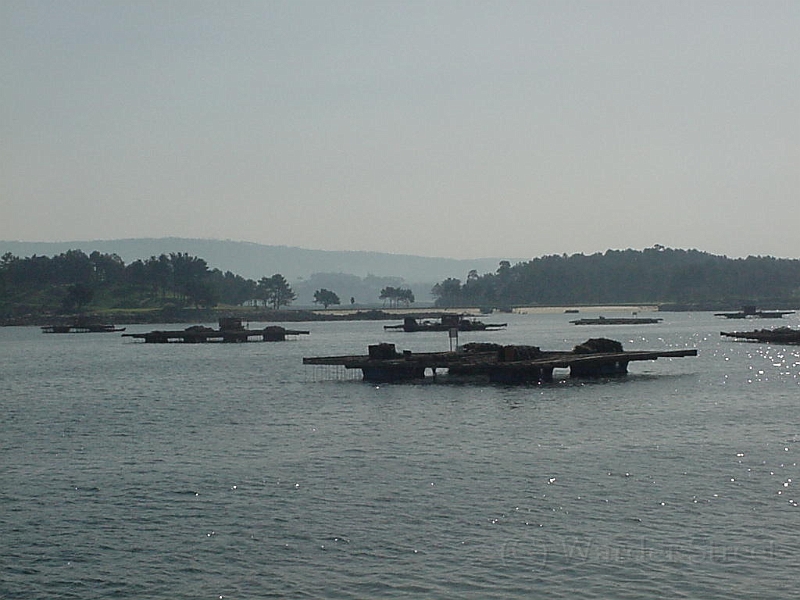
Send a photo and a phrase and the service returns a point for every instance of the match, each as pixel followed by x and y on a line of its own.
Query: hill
pixel 254 261
pixel 680 279
pixel 657 275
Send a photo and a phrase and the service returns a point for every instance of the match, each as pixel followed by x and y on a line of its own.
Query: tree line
pixel 75 281
pixel 656 275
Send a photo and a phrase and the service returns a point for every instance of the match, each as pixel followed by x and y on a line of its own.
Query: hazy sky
pixel 439 128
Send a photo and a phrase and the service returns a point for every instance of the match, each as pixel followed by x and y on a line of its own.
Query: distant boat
pixel 445 323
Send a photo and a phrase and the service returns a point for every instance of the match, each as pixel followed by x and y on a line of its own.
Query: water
pixel 132 470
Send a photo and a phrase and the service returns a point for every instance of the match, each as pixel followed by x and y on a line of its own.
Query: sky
pixel 448 128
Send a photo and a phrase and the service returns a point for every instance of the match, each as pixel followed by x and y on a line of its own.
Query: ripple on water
pixel 179 472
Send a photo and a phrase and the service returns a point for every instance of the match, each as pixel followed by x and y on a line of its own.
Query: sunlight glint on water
pixel 206 471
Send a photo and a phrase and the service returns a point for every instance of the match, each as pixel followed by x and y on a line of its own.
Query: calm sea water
pixel 132 470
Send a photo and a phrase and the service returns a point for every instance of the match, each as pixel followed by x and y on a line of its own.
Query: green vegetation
pixel 658 275
pixel 397 296
pixel 327 297
pixel 74 282
pixel 274 291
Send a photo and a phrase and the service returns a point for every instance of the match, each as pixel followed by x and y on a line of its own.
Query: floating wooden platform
pixel 230 331
pixel 506 364
pixel 780 335
pixel 82 328
pixel 445 323
pixel 748 312
pixel 617 321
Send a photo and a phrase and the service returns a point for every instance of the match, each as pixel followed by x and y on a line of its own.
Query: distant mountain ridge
pixel 254 261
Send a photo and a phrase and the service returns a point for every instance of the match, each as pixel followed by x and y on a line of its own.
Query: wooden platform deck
pixel 497 366
pixel 617 321
pixel 780 335
pixel 81 329
pixel 202 335
pixel 750 311
pixel 445 323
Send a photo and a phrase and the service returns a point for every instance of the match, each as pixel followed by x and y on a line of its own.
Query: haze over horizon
pixel 458 129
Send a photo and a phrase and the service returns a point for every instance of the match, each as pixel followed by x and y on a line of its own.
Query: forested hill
pixel 658 275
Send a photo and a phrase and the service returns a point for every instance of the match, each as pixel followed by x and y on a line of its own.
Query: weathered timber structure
pixel 230 331
pixel 750 312
pixel 82 326
pixel 445 323
pixel 617 321
pixel 502 364
pixel 779 335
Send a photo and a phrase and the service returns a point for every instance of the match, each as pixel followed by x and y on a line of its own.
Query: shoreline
pixel 154 317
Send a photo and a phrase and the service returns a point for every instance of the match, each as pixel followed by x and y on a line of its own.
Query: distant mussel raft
pixel 779 335
pixel 445 323
pixel 230 330
pixel 82 325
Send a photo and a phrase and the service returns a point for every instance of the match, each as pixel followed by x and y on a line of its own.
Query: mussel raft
pixel 599 357
pixel 779 335
pixel 231 330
